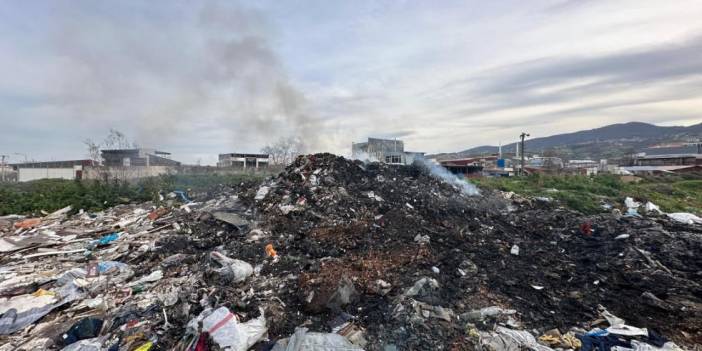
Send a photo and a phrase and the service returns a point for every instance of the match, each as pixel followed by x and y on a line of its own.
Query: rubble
pixel 333 254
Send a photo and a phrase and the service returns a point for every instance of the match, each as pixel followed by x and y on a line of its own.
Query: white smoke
pixel 215 71
pixel 442 173
pixel 364 157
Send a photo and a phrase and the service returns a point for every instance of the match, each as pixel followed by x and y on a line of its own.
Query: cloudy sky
pixel 199 78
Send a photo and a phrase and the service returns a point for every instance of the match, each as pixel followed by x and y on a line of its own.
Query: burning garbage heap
pixel 335 254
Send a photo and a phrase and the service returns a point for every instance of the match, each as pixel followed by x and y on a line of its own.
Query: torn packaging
pixel 226 330
pixel 232 218
pixel 12 321
pixel 237 270
pixel 504 339
pixel 14 243
pixel 302 340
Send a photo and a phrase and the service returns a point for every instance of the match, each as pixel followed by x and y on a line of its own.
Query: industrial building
pixel 391 151
pixel 668 160
pixel 137 157
pixel 72 169
pixel 243 161
pixel 470 167
pixel 677 149
pixel 657 170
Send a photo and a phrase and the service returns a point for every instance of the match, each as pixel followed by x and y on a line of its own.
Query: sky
pixel 199 78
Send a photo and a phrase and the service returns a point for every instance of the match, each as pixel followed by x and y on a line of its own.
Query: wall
pixel 126 173
pixel 133 173
pixel 27 174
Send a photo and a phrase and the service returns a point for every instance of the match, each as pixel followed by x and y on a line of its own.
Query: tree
pixel 114 140
pixel 284 151
pixel 93 150
pixel 117 140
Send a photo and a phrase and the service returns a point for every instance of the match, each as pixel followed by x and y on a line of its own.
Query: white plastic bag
pixel 261 193
pixel 225 329
pixel 685 217
pixel 239 270
pixel 651 207
pixel 303 340
pixel 630 203
pixel 504 339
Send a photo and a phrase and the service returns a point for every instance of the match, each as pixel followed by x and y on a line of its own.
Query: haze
pixel 201 78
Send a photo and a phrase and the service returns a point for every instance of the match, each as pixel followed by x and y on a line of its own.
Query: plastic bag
pixel 630 203
pixel 302 340
pixel 651 207
pixel 238 270
pixel 504 339
pixel 685 217
pixel 225 329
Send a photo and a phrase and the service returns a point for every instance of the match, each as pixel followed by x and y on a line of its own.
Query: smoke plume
pixel 214 69
pixel 440 172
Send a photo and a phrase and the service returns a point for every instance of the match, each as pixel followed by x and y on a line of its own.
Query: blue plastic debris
pixel 103 241
pixel 108 238
pixel 183 196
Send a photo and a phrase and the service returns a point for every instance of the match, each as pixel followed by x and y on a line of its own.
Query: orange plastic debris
pixel 42 292
pixel 155 214
pixel 270 250
pixel 28 223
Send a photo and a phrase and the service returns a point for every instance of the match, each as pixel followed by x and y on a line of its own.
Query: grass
pixel 587 194
pixel 30 198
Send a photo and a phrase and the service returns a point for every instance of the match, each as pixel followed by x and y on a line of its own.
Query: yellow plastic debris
pixel 570 340
pixel 42 292
pixel 550 339
pixel 564 341
pixel 145 347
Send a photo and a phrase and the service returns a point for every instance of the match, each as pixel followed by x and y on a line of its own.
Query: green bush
pixel 586 194
pixel 48 195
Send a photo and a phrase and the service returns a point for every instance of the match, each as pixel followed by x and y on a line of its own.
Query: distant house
pixel 137 157
pixel 72 169
pixel 391 151
pixel 470 167
pixel 243 161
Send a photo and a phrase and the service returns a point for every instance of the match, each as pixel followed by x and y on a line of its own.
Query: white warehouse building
pixel 51 170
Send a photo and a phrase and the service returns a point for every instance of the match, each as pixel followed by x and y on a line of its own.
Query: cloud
pixel 200 78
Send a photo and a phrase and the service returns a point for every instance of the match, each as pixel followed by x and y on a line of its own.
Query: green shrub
pixel 48 195
pixel 586 194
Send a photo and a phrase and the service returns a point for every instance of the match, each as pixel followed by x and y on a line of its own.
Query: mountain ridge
pixel 593 143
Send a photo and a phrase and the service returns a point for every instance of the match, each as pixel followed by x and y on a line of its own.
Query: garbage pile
pixel 334 254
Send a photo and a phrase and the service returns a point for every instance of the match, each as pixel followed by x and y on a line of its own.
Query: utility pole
pixel 522 136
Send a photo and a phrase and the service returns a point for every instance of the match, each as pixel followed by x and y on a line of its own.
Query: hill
pixel 610 141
